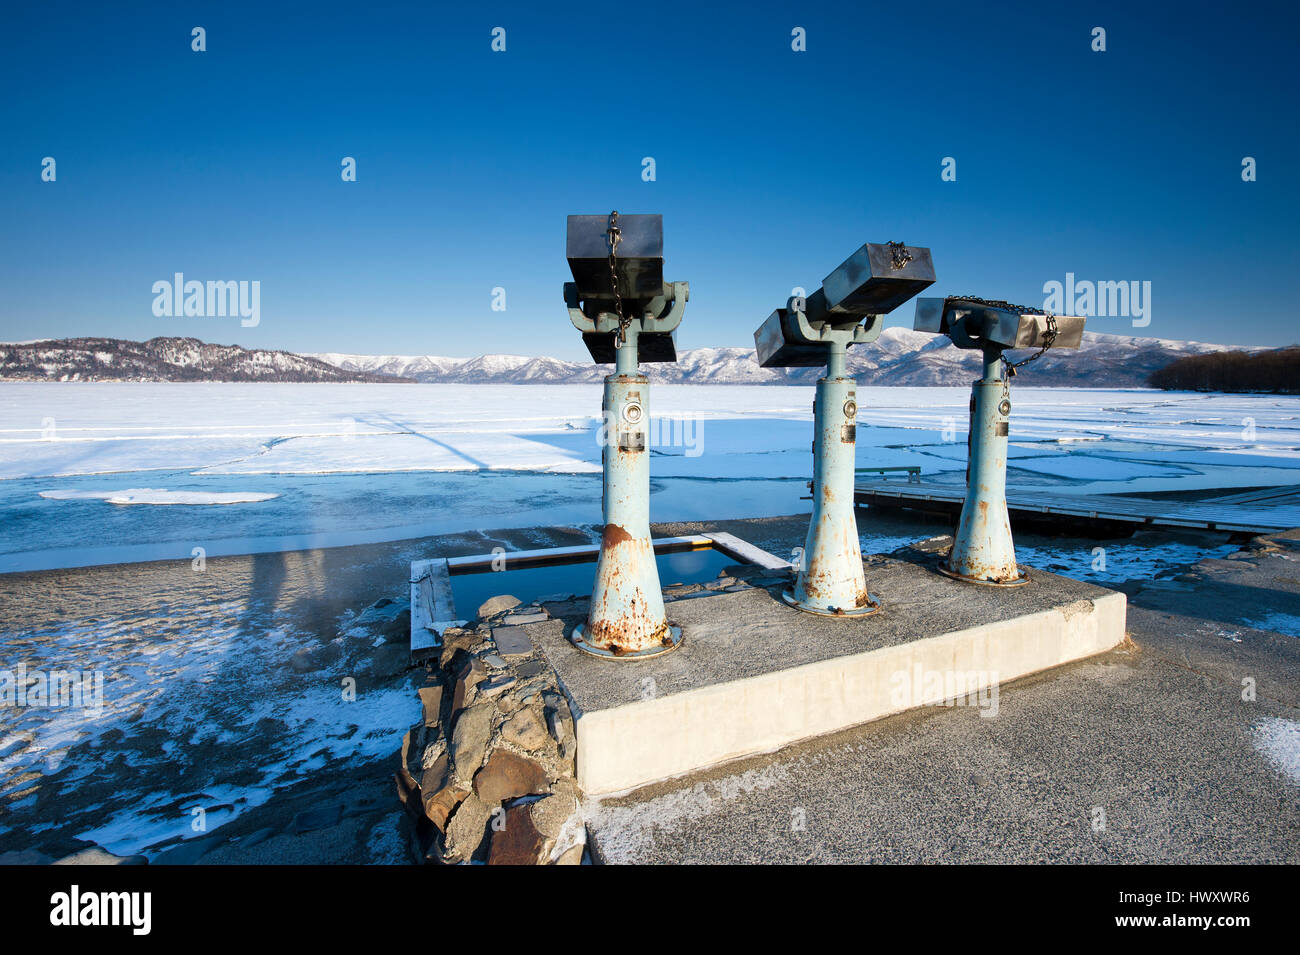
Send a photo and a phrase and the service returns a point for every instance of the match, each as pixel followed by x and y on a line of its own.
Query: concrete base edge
pixel 628 746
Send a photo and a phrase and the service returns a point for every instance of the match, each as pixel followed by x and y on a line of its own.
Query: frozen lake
pixel 101 473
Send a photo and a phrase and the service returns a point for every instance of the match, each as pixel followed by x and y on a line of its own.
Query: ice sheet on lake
pixel 295 428
pixel 22 457
pixel 426 451
pixel 717 451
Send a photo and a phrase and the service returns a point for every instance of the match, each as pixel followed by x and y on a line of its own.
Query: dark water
pixel 332 510
pixel 528 583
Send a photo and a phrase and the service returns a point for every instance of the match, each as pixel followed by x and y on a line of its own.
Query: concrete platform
pixel 754 674
pixel 1124 758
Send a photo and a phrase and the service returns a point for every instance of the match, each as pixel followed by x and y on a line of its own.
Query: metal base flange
pixel 674 641
pixel 870 608
pixel 1018 582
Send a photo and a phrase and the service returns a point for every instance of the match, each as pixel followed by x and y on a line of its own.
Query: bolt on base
pixel 871 606
pixel 1019 581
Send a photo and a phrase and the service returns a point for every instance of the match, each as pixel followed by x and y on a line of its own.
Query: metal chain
pixel 1049 336
pixel 615 235
pixel 898 255
pixel 1049 339
pixel 993 303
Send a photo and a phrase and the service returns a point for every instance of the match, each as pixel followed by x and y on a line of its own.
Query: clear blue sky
pixel 772 165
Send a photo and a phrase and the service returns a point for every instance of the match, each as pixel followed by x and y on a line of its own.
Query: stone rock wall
pixel 488 773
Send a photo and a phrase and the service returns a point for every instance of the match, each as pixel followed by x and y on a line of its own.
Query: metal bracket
pixel 654 329
pixel 663 312
pixel 789 338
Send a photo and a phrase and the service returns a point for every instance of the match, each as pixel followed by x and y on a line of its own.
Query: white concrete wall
pixel 638 743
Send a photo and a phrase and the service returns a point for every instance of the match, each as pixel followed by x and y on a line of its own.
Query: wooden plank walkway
pixel 1249 514
pixel 745 552
pixel 433 609
pixel 1288 495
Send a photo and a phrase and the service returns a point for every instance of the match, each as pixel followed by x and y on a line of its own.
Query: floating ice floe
pixel 149 495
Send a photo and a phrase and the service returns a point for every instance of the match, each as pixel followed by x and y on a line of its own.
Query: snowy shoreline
pixel 202 708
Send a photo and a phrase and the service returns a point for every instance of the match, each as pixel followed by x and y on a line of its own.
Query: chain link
pixel 1049 336
pixel 1049 339
pixel 994 303
pixel 615 236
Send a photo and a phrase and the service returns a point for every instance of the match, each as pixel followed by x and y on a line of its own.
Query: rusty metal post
pixel 817 330
pixel 830 578
pixel 627 314
pixel 627 617
pixel 982 549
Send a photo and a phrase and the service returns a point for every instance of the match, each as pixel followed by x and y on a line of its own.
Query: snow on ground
pixel 188 688
pixel 627 830
pixel 1279 741
pixel 318 465
pixel 1277 622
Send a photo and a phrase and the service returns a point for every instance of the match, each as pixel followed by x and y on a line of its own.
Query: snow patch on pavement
pixel 1277 622
pixel 625 833
pixel 1279 741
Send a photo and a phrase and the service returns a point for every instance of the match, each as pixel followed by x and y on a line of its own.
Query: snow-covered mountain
pixel 899 357
pixel 162 359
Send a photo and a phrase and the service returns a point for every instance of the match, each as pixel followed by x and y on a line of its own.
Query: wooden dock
pixel 1259 511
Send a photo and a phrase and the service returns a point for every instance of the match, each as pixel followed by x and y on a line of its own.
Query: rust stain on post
pixel 613 535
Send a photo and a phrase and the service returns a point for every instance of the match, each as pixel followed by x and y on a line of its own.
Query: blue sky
pixel 772 166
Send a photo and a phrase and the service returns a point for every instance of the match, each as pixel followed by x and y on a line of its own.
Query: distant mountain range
pixel 163 359
pixel 900 357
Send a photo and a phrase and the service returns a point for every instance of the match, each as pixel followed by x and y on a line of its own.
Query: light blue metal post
pixel 627 608
pixel 815 330
pixel 982 550
pixel 830 578
pixel 626 620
